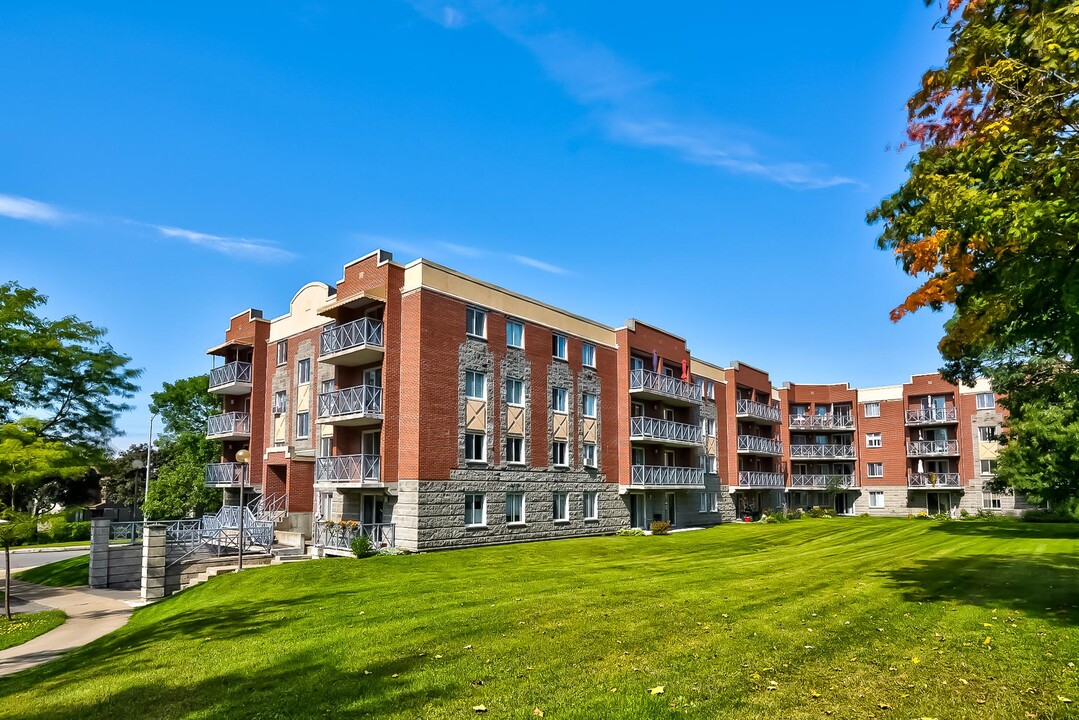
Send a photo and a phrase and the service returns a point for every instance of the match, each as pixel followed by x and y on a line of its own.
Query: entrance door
pixel 843 504
pixel 636 510
pixel 670 508
pixel 372 510
pixel 938 502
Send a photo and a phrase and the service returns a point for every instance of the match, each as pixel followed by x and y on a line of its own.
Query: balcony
pixel 754 445
pixel 228 474
pixel 661 477
pixel 930 481
pixel 229 426
pixel 932 416
pixel 755 479
pixel 668 432
pixel 931 448
pixel 232 378
pixel 358 470
pixel 756 411
pixel 823 482
pixel 822 422
pixel 355 343
pixel 826 452
pixel 671 390
pixel 360 405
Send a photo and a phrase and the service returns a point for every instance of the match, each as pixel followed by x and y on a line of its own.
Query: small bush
pixel 1047 516
pixel 630 532
pixel 984 514
pixel 921 516
pixel 942 517
pixel 818 512
pixel 661 527
pixel 795 514
pixel 776 515
pixel 963 514
pixel 770 519
pixel 865 515
pixel 80 530
pixel 390 550
pixel 829 512
pixel 361 546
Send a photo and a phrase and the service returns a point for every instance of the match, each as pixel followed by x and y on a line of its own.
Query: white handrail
pixel 755 478
pixel 932 447
pixel 933 480
pixel 930 415
pixel 349 468
pixel 666 475
pixel 822 451
pixel 233 372
pixel 358 333
pixel 822 422
pixel 754 443
pixel 230 423
pixel 641 379
pixel 821 481
pixel 658 429
pixel 362 399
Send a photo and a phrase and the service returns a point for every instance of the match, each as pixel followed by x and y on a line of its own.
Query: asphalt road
pixel 23 560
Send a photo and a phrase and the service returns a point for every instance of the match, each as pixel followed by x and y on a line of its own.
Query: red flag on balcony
pixel 685 371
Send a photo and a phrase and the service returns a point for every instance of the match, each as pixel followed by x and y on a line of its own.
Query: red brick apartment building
pixel 435 410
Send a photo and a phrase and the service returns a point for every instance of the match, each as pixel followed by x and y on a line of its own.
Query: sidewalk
pixel 90 614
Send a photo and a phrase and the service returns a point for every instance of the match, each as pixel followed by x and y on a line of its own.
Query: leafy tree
pixel 27 457
pixel 14 526
pixel 180 491
pixel 125 474
pixel 185 405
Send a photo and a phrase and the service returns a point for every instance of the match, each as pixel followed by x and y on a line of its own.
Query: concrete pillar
pixel 153 562
pixel 99 552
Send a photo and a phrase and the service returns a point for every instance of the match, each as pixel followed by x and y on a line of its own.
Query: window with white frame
pixel 325 505
pixel 871 409
pixel 476 322
pixel 558 453
pixel 873 440
pixel 515 391
pixel 988 467
pixel 588 355
pixel 327 386
pixel 987 433
pixel 515 450
pixel 638 456
pixel 709 427
pixel 515 334
pixel 325 446
pixel 591 506
pixel 709 502
pixel 515 508
pixel 280 402
pixel 588 405
pixel 558 400
pixel 558 346
pixel 589 453
pixel 985 401
pixel 282 352
pixel 560 507
pixel 303 371
pixel 874 470
pixel 708 464
pixel 876 499
pixel 475 509
pixel 704 501
pixel 475 447
pixel 710 389
pixel 990 501
pixel 303 425
pixel 475 385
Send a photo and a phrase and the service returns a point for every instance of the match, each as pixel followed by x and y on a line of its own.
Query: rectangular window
pixel 303 371
pixel 475 509
pixel 558 346
pixel 588 405
pixel 710 389
pixel 560 507
pixel 515 450
pixel 325 505
pixel 558 400
pixel 475 385
pixel 589 459
pixel 515 334
pixel 515 391
pixel 708 464
pixel 476 323
pixel 874 470
pixel 873 440
pixel 988 467
pixel 985 401
pixel 325 446
pixel 704 502
pixel 280 402
pixel 638 456
pixel 282 352
pixel 327 386
pixel 709 427
pixel 475 447
pixel 591 506
pixel 872 409
pixel 987 433
pixel 588 355
pixel 990 501
pixel 636 410
pixel 303 425
pixel 876 499
pixel 515 508
pixel 715 502
pixel 558 453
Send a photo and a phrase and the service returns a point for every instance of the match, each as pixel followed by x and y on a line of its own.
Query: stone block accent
pixel 99 552
pixel 153 562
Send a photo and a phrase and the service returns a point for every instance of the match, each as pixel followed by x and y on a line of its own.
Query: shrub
pixel 816 512
pixel 661 527
pixel 964 514
pixel 629 532
pixel 795 514
pixel 770 519
pixel 1043 516
pixel 775 515
pixel 361 546
pixel 829 512
pixel 942 517
pixel 921 516
pixel 390 550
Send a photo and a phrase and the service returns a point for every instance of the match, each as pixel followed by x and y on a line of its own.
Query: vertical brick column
pixel 99 552
pixel 153 562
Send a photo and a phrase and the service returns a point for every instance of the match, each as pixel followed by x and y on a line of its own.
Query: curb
pixel 69 548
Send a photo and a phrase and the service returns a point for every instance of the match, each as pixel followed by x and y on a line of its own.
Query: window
pixel 558 453
pixel 710 389
pixel 988 467
pixel 325 446
pixel 515 391
pixel 282 352
pixel 589 455
pixel 708 425
pixel 874 470
pixel 638 456
pixel 515 450
pixel 558 346
pixel 515 508
pixel 588 405
pixel 327 386
pixel 476 323
pixel 990 501
pixel 987 433
pixel 475 385
pixel 560 507
pixel 985 401
pixel 303 425
pixel 280 402
pixel 303 371
pixel 876 499
pixel 475 447
pixel 704 502
pixel 558 400
pixel 475 509
pixel 636 410
pixel 872 409
pixel 591 506
pixel 515 334
pixel 325 505
pixel 873 440
pixel 588 355
pixel 708 464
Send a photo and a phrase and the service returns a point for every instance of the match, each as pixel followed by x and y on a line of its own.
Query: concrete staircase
pixel 279 555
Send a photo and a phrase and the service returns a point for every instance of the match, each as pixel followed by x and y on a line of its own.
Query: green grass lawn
pixel 27 627
pixel 847 618
pixel 64 573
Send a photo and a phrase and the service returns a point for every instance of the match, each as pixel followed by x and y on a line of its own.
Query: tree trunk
pixel 7 581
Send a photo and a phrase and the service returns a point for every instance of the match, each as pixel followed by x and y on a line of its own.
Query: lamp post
pixel 149 447
pixel 242 456
pixel 136 465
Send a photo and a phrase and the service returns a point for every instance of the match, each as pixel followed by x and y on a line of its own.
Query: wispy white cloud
pixel 233 246
pixel 539 264
pixel 465 250
pixel 20 208
pixel 434 249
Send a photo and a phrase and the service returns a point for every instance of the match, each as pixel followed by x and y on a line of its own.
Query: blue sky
pixel 706 169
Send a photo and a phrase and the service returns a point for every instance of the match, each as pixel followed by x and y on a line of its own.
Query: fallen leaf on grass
pixel 814 694
pixel 1063 699
pixel 987 640
pixel 658 690
pixel 479 708
pixel 537 712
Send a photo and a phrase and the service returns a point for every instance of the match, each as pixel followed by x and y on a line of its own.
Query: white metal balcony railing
pixel 646 428
pixel 754 478
pixel 822 451
pixel 822 422
pixel 358 333
pixel 932 416
pixel 823 481
pixel 933 480
pixel 662 475
pixel 753 443
pixel 230 423
pixel 359 400
pixel 754 409
pixel 227 474
pixel 641 379
pixel 922 448
pixel 349 468
pixel 229 373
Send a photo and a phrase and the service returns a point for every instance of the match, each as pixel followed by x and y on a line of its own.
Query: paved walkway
pixel 90 614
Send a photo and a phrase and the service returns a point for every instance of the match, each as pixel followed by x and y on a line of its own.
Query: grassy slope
pixel 64 573
pixel 861 612
pixel 27 627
